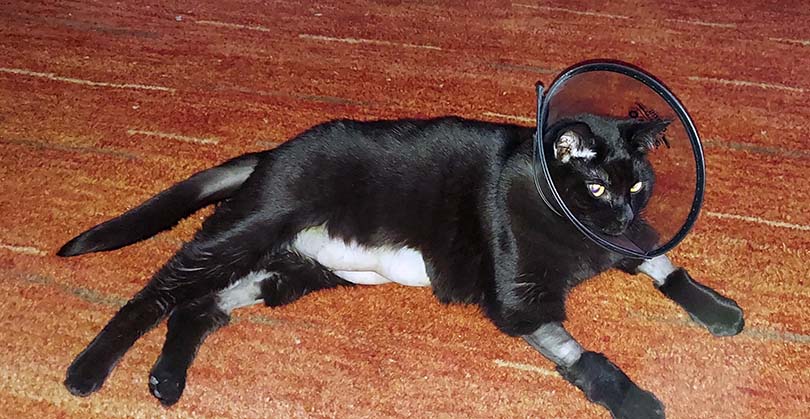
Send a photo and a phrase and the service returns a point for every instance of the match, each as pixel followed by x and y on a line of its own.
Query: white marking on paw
pixel 556 344
pixel 658 268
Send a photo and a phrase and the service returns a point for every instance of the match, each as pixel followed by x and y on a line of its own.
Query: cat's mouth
pixel 614 231
pixel 617 227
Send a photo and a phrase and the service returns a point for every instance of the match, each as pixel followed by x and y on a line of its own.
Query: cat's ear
pixel 571 144
pixel 648 135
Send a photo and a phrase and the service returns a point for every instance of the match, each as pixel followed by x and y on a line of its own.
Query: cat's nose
pixel 625 215
pixel 623 219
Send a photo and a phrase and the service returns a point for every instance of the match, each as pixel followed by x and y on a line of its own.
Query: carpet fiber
pixel 103 104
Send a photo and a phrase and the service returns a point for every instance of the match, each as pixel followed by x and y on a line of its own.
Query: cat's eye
pixel 596 189
pixel 637 187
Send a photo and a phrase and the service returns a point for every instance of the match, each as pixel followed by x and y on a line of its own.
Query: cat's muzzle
pixel 618 226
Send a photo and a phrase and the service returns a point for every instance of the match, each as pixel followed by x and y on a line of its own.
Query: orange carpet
pixel 102 104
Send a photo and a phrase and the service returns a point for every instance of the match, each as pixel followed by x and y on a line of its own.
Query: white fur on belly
pixel 362 265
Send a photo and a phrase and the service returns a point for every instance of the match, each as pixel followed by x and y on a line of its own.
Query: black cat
pixel 449 202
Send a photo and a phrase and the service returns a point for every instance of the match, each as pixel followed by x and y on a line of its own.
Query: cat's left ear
pixel 648 135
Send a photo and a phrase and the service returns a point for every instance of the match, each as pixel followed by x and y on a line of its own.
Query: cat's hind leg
pixel 229 245
pixel 188 326
pixel 720 315
pixel 278 279
pixel 174 285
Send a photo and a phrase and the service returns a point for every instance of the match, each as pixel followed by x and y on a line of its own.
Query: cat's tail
pixel 165 209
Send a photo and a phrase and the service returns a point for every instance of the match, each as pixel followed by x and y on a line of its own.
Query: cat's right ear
pixel 570 144
pixel 648 135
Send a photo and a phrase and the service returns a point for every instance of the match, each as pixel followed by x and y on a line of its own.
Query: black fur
pixel 162 211
pixel 718 314
pixel 619 163
pixel 605 384
pixel 459 191
pixel 188 326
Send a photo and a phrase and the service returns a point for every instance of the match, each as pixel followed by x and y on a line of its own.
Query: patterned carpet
pixel 103 104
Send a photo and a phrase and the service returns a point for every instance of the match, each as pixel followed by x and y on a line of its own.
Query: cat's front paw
pixel 85 375
pixel 637 404
pixel 720 315
pixel 725 320
pixel 604 383
pixel 166 383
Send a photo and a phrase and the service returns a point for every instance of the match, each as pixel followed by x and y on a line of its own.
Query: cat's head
pixel 601 170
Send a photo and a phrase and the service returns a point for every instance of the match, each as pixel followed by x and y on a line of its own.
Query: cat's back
pixel 427 142
pixel 416 158
pixel 410 177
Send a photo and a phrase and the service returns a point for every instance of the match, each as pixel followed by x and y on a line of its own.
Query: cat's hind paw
pixel 166 384
pixel 84 377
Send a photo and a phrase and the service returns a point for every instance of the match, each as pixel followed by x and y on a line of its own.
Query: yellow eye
pixel 596 189
pixel 637 187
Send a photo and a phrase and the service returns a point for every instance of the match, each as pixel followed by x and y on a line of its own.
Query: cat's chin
pixel 613 232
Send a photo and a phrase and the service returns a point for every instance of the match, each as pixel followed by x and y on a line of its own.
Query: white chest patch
pixel 362 265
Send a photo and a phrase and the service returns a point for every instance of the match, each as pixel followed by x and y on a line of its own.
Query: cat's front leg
pixel 720 315
pixel 601 381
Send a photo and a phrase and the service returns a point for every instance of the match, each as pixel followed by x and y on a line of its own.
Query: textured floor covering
pixel 103 104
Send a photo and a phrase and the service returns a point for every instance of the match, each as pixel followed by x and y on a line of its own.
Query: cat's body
pixel 449 203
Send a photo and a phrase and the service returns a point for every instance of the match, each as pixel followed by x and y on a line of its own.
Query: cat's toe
pixel 166 387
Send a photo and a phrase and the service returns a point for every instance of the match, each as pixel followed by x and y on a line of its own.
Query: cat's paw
pixel 721 320
pixel 166 384
pixel 604 383
pixel 85 376
pixel 720 315
pixel 638 404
